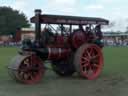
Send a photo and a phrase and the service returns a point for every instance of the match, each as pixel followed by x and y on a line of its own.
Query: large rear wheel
pixel 89 61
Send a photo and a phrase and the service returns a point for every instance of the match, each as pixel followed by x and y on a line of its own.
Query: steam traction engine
pixel 76 46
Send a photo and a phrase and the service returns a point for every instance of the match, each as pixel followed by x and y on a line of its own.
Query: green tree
pixel 11 20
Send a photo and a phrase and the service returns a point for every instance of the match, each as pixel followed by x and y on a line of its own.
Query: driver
pixel 47 36
pixel 98 32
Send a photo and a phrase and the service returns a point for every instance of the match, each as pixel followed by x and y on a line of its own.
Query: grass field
pixel 112 82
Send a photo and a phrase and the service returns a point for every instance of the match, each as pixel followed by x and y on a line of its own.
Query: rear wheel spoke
pixel 91 51
pixel 95 56
pixel 85 59
pixel 89 56
pixel 86 65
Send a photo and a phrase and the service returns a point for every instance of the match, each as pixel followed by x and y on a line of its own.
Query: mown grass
pixel 115 60
pixel 112 82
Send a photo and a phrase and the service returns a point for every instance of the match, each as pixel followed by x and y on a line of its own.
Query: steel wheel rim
pixel 30 70
pixel 91 62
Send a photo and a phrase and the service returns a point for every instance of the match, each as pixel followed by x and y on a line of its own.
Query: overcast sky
pixel 114 10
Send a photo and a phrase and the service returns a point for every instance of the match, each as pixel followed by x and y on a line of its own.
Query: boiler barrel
pixel 53 53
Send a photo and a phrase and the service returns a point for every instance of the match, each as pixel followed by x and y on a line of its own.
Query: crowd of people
pixel 107 41
pixel 112 42
pixel 6 44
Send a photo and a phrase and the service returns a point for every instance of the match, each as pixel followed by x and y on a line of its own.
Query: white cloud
pixel 65 2
pixel 19 4
pixel 94 7
pixel 68 7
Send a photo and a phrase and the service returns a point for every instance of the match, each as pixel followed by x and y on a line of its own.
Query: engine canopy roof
pixel 73 20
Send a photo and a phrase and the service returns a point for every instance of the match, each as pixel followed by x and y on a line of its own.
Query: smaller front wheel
pixel 89 61
pixel 26 69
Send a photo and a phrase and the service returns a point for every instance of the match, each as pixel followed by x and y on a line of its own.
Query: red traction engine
pixel 72 44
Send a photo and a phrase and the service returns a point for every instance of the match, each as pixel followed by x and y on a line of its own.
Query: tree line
pixel 11 20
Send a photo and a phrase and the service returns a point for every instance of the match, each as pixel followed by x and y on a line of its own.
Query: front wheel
pixel 27 69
